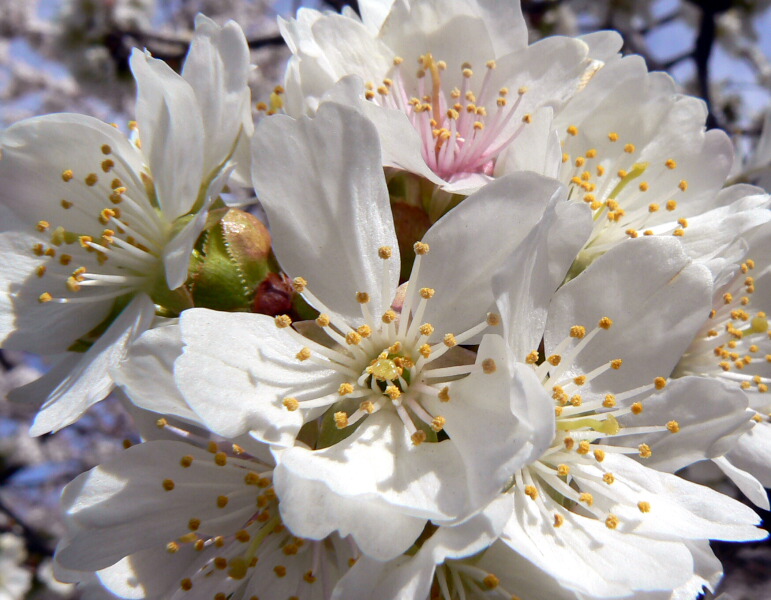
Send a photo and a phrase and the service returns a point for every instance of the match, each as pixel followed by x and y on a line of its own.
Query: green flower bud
pixel 231 260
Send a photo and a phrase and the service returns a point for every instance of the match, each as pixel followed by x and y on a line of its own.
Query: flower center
pixel 463 130
pixel 735 342
pixel 386 362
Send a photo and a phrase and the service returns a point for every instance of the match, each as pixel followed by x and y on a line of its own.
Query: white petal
pixel 679 509
pixel 236 370
pixel 176 253
pixel 320 181
pixel 122 507
pixel 26 323
pixel 748 484
pixel 217 68
pixel 77 384
pixel 654 317
pixel 171 130
pixel 147 375
pixel 617 565
pixel 489 420
pixel 360 517
pixel 752 451
pixel 711 416
pixel 468 247
pixel 379 460
pixel 526 283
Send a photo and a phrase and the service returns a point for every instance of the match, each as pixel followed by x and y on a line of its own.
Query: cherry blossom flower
pixel 98 228
pixel 448 109
pixel 395 438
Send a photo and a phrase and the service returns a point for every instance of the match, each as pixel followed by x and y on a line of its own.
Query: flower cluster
pixel 503 297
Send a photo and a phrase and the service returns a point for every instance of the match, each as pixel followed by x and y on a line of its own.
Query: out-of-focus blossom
pixel 15 579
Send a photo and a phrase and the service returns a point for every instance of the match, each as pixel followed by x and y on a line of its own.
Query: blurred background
pixel 72 55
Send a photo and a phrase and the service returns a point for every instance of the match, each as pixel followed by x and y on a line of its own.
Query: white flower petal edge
pixel 98 228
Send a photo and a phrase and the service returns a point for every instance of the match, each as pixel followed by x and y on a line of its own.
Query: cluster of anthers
pixel 735 343
pixel 463 131
pixel 387 361
pixel 587 430
pixel 263 554
pixel 615 188
pixel 112 236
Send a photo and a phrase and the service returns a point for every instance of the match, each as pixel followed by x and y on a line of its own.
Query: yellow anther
pixel 632 233
pixel 528 118
pixel 425 350
pixel 345 389
pixel 194 524
pixel 353 338
pixel 106 215
pixel 569 442
pixel 418 437
pixel 91 179
pixel 493 319
pixel 303 354
pixel 580 161
pixel 577 331
pixel 609 478
pixel 613 136
pixel 576 400
pixel 554 360
pixel 364 331
pixel 563 470
pixel 590 198
pixel 629 148
pixel 168 485
pixel 367 406
pixel 291 404
pixel 444 394
pixel 309 577
pixel 449 340
pixel 532 358
pixel 584 447
pixel 622 173
pixel 491 581
pixel 678 232
pixel 438 423
pixel 565 157
pixel 65 259
pixel 600 170
pixel 186 584
pixel 558 520
pixel 426 329
pixel 280 570
pixel 599 455
pixel 558 411
pixel 532 491
pixel 299 284
pixel 605 323
pixel 645 451
pixel 580 380
pixel 612 522
pixel 67 175
pixel 385 252
pixel 172 547
pixel 44 297
pixel 41 270
pixel 222 501
pixel 660 383
pixel 220 459
pixel 671 163
pixel 107 165
pixel 572 130
pixel 427 293
pixel 673 426
pixel 398 60
pixel 282 321
pixel 644 507
pixel 322 320
pixel 586 498
pixel 637 408
pixel 186 461
pixel 43 226
pixel 341 420
pixel 421 248
pixel 66 204
pixel 616 363
pixel 644 186
pixel 683 185
pixel 393 392
pixel 489 366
